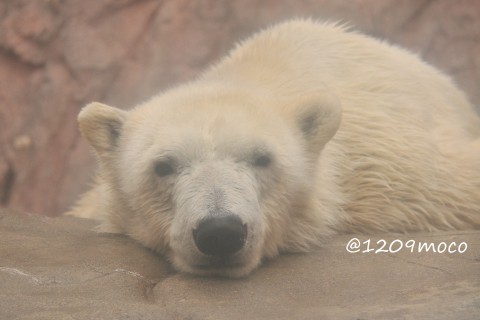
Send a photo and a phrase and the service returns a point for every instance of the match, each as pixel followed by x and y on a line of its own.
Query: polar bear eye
pixel 164 168
pixel 262 161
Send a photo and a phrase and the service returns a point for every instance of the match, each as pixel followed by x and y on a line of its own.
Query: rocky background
pixel 58 55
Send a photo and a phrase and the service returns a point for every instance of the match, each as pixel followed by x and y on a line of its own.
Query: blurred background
pixel 58 55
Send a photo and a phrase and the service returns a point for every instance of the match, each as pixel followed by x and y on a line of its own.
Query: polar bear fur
pixel 303 131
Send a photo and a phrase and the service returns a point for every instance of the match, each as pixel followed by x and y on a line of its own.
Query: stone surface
pixel 58 269
pixel 58 55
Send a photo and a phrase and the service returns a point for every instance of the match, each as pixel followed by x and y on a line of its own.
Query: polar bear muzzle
pixel 220 236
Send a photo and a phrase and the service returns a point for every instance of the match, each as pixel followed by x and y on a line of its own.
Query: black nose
pixel 220 236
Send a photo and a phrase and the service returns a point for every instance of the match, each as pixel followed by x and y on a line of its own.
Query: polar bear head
pixel 213 177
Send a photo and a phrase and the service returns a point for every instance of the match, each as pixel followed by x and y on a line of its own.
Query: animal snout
pixel 220 236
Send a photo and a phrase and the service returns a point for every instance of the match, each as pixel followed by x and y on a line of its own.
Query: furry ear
pixel 318 118
pixel 101 125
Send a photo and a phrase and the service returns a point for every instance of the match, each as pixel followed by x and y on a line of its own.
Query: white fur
pixel 405 156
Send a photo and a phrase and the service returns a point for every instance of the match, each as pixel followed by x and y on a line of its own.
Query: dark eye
pixel 262 161
pixel 164 168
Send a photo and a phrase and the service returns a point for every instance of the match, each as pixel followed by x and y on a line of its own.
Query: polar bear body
pixel 305 130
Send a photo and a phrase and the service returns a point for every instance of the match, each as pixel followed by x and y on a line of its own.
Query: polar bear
pixel 303 131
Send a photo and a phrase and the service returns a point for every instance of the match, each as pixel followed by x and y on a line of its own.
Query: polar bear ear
pixel 319 117
pixel 101 126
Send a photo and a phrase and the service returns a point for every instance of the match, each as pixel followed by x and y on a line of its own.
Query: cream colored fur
pixel 405 158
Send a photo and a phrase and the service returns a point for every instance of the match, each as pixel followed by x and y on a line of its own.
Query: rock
pixel 58 55
pixel 58 268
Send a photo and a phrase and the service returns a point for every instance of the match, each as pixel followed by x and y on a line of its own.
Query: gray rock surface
pixel 58 269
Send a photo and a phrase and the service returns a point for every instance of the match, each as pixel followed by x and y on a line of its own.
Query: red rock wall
pixel 58 55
